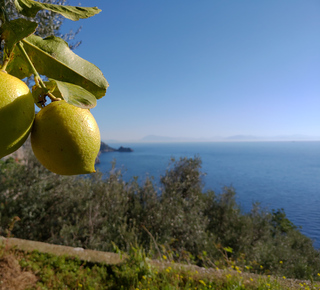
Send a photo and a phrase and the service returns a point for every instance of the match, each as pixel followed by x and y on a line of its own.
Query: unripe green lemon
pixel 16 113
pixel 65 139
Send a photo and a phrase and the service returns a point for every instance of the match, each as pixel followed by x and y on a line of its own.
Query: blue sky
pixel 199 69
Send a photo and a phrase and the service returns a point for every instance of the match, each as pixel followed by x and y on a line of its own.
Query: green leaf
pixel 228 249
pixel 73 94
pixel 53 58
pixel 30 8
pixel 14 31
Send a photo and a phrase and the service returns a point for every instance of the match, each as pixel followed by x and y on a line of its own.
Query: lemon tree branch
pixel 5 63
pixel 37 77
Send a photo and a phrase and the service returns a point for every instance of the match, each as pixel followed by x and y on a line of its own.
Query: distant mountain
pixel 234 138
pixel 155 138
pixel 243 138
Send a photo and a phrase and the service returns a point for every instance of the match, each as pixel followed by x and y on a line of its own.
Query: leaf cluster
pixel 48 22
pixel 71 78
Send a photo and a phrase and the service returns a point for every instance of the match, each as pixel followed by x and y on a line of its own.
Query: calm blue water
pixel 276 174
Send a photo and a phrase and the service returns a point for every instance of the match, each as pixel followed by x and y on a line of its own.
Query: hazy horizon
pixel 233 138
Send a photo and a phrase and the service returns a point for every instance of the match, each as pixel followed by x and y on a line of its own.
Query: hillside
pixel 179 221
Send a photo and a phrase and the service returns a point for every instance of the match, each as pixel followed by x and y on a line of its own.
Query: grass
pixel 35 270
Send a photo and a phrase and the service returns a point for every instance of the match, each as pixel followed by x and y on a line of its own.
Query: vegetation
pixel 49 23
pixel 36 270
pixel 179 220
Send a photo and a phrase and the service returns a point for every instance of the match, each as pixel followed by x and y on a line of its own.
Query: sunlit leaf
pixel 30 8
pixel 53 58
pixel 73 94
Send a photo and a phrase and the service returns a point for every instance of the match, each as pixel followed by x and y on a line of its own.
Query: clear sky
pixel 204 68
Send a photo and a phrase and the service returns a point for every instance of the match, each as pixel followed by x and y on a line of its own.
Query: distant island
pixel 105 148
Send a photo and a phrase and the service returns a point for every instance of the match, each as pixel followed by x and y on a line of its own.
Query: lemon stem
pixel 37 77
pixel 53 98
pixel 5 64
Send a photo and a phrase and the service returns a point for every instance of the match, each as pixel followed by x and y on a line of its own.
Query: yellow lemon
pixel 65 139
pixel 16 113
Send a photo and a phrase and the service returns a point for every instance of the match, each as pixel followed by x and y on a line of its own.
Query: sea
pixel 275 174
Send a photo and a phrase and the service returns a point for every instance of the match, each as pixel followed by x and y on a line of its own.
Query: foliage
pixel 136 272
pixel 26 53
pixel 49 22
pixel 180 221
pixel 57 272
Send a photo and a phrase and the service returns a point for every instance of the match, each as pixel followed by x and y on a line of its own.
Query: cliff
pixel 105 148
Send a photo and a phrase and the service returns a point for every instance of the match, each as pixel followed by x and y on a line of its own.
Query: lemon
pixel 65 139
pixel 16 113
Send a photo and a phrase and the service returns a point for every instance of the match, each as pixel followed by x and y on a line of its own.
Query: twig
pixel 152 239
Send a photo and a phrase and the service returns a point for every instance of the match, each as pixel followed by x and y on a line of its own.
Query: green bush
pixel 180 219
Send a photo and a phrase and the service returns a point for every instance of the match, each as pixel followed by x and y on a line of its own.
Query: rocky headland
pixel 105 148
